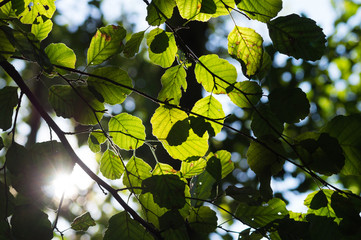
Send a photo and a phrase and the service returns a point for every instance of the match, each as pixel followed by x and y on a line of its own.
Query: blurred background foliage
pixel 332 85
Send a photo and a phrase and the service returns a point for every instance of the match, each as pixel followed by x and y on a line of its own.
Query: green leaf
pixel 15 157
pixel 28 222
pixel 179 133
pixel 172 226
pixel 173 80
pixel 203 219
pixel 262 160
pixel 347 130
pixel 95 139
pixel 193 168
pixel 259 216
pixel 127 131
pixel 9 9
pixel 137 171
pixel 268 124
pixel 82 222
pixel 201 187
pixel 111 90
pixel 323 227
pixel 215 74
pixel 42 30
pixel 67 103
pixel 213 8
pixel 167 190
pixel 121 226
pixel 289 104
pixel 211 108
pixel 152 210
pixel 8 100
pixel 162 47
pixel 319 200
pixel 246 94
pixel 1 143
pixel 321 153
pixel 133 44
pixel 261 10
pixel 162 122
pixel 6 48
pixel 245 45
pixel 111 165
pixel 36 8
pixel 225 160
pixel 60 54
pixel 157 8
pixel 189 8
pixel 297 36
pixel 323 210
pixel 163 169
pixel 245 194
pixel 106 42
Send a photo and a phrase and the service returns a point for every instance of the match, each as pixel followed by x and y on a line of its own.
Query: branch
pixel 24 88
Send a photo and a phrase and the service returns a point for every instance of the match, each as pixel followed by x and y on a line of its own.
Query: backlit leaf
pixel 137 171
pixel 35 8
pixel 42 30
pixel 82 222
pixel 95 139
pixel 157 8
pixel 8 100
pixel 245 45
pixel 289 104
pixel 213 8
pixel 347 130
pixel 210 107
pixel 132 45
pixel 111 90
pixel 111 165
pixel 217 75
pixel 162 122
pixel 60 54
pixel 261 10
pixel 246 94
pixel 203 219
pixel 162 47
pixel 167 190
pixel 152 210
pixel 127 131
pixel 121 226
pixel 259 216
pixel 201 187
pixel 189 8
pixel 192 168
pixel 268 124
pixel 162 169
pixel 68 104
pixel 106 42
pixel 297 36
pixel 173 80
pixel 225 160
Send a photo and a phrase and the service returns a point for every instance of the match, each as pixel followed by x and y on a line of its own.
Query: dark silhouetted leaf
pixel 203 219
pixel 8 100
pixel 319 200
pixel 83 222
pixel 268 124
pixel 178 133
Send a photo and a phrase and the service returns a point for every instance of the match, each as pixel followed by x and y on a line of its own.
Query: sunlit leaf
pixel 9 10
pixel 95 139
pixel 162 169
pixel 82 222
pixel 210 107
pixel 289 104
pixel 173 80
pixel 265 122
pixel 167 190
pixel 127 131
pixel 132 45
pixel 106 42
pixel 213 8
pixel 80 105
pixel 137 171
pixel 35 8
pixel 259 216
pixel 189 8
pixel 121 226
pixel 157 8
pixel 245 45
pixel 203 219
pixel 60 54
pixel 28 222
pixel 215 74
pixel 162 47
pixel 163 120
pixel 111 165
pixel 152 210
pixel 111 90
pixel 261 10
pixel 297 36
pixel 347 130
pixel 225 161
pixel 192 168
pixel 8 100
pixel 323 210
pixel 42 30
pixel 245 94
